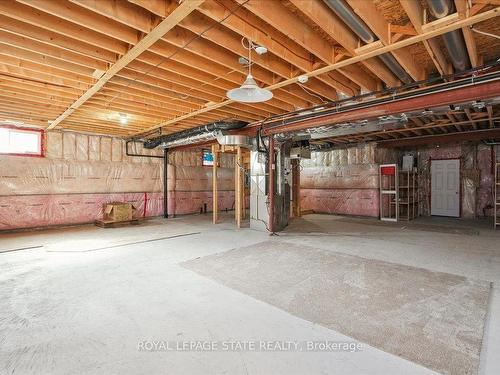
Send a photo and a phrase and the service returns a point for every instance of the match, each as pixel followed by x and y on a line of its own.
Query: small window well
pixel 21 141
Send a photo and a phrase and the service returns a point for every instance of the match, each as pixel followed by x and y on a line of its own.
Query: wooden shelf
pixel 401 203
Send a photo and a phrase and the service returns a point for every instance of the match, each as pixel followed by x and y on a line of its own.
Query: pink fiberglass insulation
pixel 359 202
pixel 81 173
pixel 29 211
pixel 188 202
pixel 475 174
pixel 485 193
pixel 343 182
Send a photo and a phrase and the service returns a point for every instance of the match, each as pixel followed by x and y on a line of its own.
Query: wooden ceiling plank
pixel 120 11
pixel 55 39
pixel 183 10
pixel 282 19
pixel 355 59
pixel 24 74
pixel 35 17
pixel 28 90
pixel 268 38
pixel 63 26
pixel 9 58
pixel 320 14
pixel 124 12
pixel 88 19
pixel 14 94
pixel 377 23
pixel 415 13
pixel 87 64
pixel 470 42
pixel 12 81
pixel 105 9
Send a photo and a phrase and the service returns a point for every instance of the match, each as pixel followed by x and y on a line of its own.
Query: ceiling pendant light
pixel 249 92
pixel 123 118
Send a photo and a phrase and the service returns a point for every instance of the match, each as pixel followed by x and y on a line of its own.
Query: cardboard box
pixel 118 211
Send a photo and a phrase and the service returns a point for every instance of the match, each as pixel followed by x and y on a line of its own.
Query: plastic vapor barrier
pixel 77 176
pixel 190 183
pixel 476 177
pixel 343 181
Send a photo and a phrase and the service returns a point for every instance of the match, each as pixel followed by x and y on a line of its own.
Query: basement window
pixel 21 141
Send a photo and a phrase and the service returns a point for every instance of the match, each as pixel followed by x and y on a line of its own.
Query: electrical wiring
pixel 312 94
pixel 484 33
pixel 308 59
pixel 350 88
pixel 180 49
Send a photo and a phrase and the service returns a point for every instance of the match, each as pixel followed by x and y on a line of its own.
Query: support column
pixel 238 164
pixel 296 187
pixel 165 183
pixel 215 189
pixel 271 184
pixel 242 183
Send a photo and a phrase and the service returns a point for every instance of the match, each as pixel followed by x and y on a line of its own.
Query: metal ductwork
pixel 454 40
pixel 234 140
pixel 206 132
pixel 366 35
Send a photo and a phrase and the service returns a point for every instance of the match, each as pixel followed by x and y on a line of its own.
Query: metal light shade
pixel 249 92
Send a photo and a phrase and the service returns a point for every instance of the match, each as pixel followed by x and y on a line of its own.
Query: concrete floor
pixel 67 309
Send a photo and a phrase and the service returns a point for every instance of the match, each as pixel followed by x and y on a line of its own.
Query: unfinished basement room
pixel 264 187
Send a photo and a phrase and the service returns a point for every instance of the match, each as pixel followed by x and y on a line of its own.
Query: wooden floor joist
pixel 431 33
pixel 170 63
pixel 179 13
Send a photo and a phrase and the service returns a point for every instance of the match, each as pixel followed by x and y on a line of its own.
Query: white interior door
pixel 445 191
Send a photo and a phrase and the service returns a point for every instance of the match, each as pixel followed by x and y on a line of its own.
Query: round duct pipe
pixel 191 135
pixel 360 28
pixel 440 8
pixel 352 20
pixel 454 40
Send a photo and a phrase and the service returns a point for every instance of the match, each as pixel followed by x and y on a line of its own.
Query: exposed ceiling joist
pixel 475 135
pixel 432 32
pixel 462 10
pixel 415 13
pixel 380 27
pixel 320 14
pixel 179 13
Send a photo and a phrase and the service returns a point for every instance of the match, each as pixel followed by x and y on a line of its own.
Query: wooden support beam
pixel 377 23
pixel 239 186
pixel 274 13
pixel 180 38
pixel 490 116
pixel 296 211
pixel 320 14
pixel 355 59
pixel 58 32
pixel 415 13
pixel 182 11
pixel 474 135
pixel 470 42
pixel 468 113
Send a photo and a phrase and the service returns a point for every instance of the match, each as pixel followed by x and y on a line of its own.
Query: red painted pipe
pixel 271 184
pixel 479 91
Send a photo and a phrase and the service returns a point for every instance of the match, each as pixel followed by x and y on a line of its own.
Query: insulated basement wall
pixel 190 183
pixel 476 174
pixel 346 181
pixel 343 181
pixel 78 174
